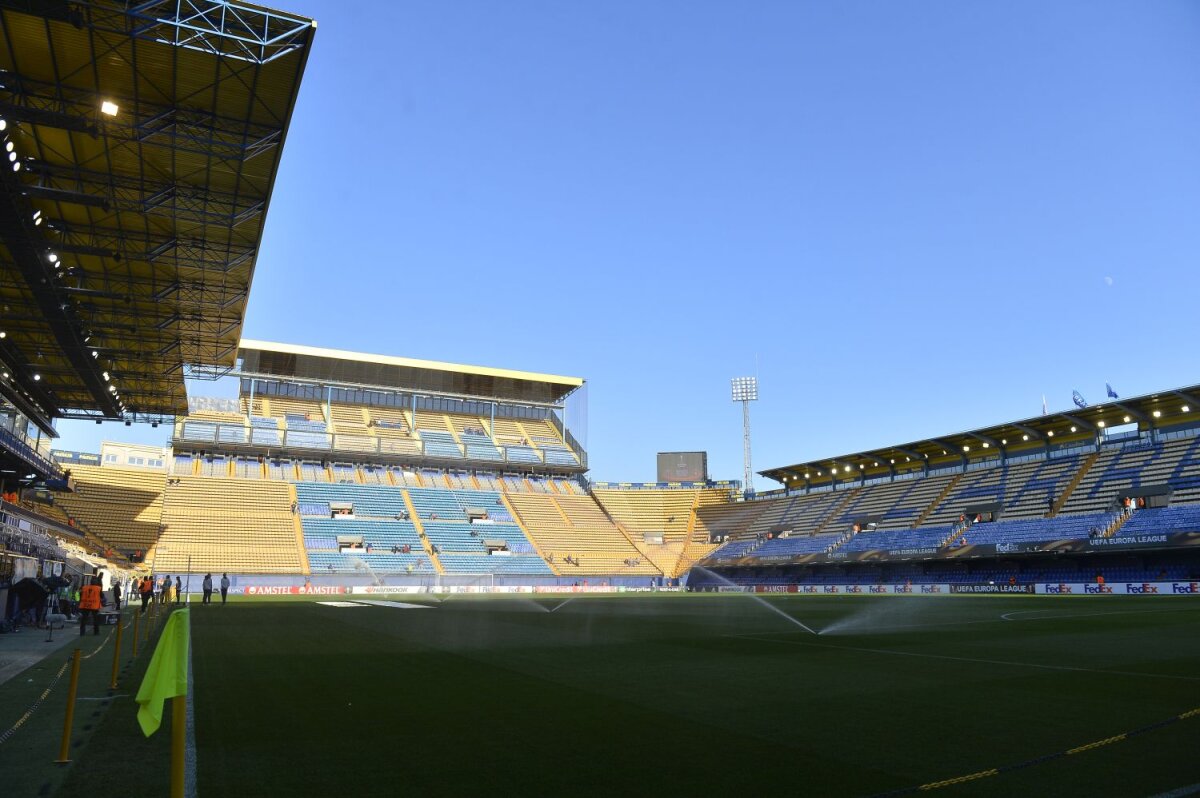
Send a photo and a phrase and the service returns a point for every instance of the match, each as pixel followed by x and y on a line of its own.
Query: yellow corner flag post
pixel 166 677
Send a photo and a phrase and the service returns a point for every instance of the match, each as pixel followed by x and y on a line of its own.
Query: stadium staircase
pixel 516 517
pixel 415 517
pixel 298 527
pixel 956 532
pixel 837 511
pixel 941 497
pixel 686 560
pixel 1118 522
pixel 1084 468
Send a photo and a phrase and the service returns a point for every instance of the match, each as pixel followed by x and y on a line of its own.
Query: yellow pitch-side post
pixel 117 652
pixel 64 750
pixel 178 742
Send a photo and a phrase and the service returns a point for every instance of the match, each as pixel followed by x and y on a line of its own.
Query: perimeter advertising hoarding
pixel 1119 589
pixel 991 589
pixel 682 466
pixel 1160 540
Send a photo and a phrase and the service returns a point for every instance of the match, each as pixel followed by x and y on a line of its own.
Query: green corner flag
pixel 166 677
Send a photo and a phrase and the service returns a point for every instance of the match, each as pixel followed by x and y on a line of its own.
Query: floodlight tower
pixel 745 390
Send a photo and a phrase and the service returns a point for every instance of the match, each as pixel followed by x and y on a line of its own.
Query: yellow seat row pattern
pixel 233 525
pixel 575 527
pixel 123 506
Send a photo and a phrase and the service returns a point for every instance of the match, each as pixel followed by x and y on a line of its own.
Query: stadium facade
pixel 144 141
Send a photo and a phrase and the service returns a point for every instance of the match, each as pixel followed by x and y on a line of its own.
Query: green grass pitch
pixel 684 694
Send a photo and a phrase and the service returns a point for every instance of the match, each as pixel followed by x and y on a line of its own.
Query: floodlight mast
pixel 745 390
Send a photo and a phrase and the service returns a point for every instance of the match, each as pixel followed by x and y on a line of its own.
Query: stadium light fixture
pixel 1186 409
pixel 109 108
pixel 17 166
pixel 1050 434
pixel 1004 441
pixel 1157 414
pixel 966 448
pixel 1024 437
pixel 1073 428
pixel 861 467
pixel 3 334
pixel 1126 419
pixel 745 390
pixel 37 377
pixel 9 146
pixel 1100 424
pixel 105 375
pixel 12 156
pixel 3 124
pixel 986 445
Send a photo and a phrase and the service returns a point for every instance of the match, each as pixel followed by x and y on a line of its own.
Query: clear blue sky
pixel 919 216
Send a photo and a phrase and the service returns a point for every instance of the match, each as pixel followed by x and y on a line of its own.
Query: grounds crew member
pixel 89 604
pixel 224 587
pixel 147 592
pixel 207 589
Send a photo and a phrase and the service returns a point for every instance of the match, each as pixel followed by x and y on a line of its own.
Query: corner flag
pixel 166 676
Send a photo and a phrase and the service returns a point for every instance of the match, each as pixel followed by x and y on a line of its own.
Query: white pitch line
pixel 980 660
pixel 400 605
pixel 1008 615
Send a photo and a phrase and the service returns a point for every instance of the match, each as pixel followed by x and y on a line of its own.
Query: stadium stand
pixel 648 513
pixel 576 537
pixel 121 505
pixel 228 525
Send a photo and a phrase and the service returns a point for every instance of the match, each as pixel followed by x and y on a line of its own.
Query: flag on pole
pixel 166 677
pixel 1078 399
pixel 1045 410
pixel 1111 393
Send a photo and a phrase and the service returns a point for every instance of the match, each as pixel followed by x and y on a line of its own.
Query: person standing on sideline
pixel 178 589
pixel 224 587
pixel 207 589
pixel 89 604
pixel 147 591
pixel 116 591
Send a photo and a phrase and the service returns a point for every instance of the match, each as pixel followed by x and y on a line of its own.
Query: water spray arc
pixel 753 597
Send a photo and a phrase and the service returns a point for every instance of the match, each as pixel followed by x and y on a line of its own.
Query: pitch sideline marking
pixel 1116 738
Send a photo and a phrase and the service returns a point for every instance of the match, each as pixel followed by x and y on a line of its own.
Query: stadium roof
pixel 354 368
pixel 1013 439
pixel 145 143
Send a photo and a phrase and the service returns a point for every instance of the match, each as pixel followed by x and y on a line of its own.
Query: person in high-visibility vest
pixel 89 604
pixel 147 591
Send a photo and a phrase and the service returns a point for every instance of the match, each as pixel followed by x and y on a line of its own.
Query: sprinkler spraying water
pixel 753 597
